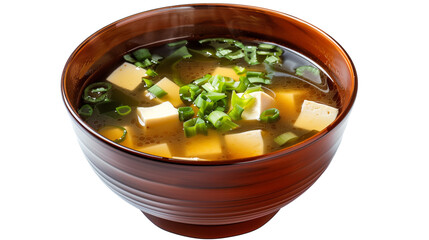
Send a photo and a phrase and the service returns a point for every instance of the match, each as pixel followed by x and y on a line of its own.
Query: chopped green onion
pixel 215 96
pixel 156 58
pixel 123 110
pixel 147 82
pixel 266 46
pixel 286 137
pixel 206 107
pixel 143 64
pixel 97 92
pixel 272 59
pixel 189 92
pixel 234 55
pixel 185 113
pixel 221 105
pixel 218 82
pixel 270 115
pixel 254 74
pixel 220 52
pixel 307 71
pixel 208 87
pixel 256 88
pixel 86 110
pixel 221 121
pixel 250 55
pixel 122 137
pixel 178 43
pixel 244 101
pixel 141 54
pixel 236 112
pixel 129 58
pixel 259 80
pixel 239 70
pixel 202 80
pixel 156 91
pixel 194 126
pixel 151 73
pixel 242 86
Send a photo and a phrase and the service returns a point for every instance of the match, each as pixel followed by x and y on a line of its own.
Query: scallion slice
pixel 86 110
pixel 239 70
pixel 151 73
pixel 194 126
pixel 221 121
pixel 156 91
pixel 141 54
pixel 304 71
pixel 185 113
pixel 189 92
pixel 178 43
pixel 286 137
pixel 97 92
pixel 250 55
pixel 215 96
pixel 122 137
pixel 147 82
pixel 202 80
pixel 236 112
pixel 270 115
pixel 123 110
pixel 256 88
pixel 129 58
pixel 266 46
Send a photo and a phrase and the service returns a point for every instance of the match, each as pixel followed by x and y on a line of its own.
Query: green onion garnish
pixel 266 46
pixel 147 82
pixel 185 113
pixel 151 73
pixel 156 91
pixel 270 115
pixel 189 92
pixel 178 43
pixel 236 112
pixel 194 126
pixel 215 96
pixel 239 70
pixel 123 110
pixel 221 121
pixel 97 92
pixel 272 59
pixel 141 54
pixel 255 88
pixel 129 58
pixel 121 138
pixel 285 138
pixel 250 55
pixel 202 80
pixel 305 71
pixel 86 111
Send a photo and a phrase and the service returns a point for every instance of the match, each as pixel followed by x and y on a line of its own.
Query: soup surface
pixel 212 99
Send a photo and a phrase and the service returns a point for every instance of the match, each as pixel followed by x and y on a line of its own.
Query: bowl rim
pixel 248 160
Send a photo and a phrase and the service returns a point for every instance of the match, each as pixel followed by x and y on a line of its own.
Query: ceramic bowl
pixel 201 198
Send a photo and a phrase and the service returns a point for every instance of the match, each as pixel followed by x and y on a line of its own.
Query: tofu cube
pixel 245 144
pixel 172 91
pixel 159 119
pixel 286 102
pixel 113 133
pixel 204 147
pixel 226 72
pixel 315 116
pixel 161 149
pixel 262 102
pixel 127 76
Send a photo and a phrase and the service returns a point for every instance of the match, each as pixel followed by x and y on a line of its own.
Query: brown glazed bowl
pixel 208 199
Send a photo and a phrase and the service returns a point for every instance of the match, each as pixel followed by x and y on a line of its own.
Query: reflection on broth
pixel 213 99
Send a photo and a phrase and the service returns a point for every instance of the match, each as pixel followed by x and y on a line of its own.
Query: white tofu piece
pixel 127 76
pixel 286 103
pixel 262 102
pixel 204 147
pixel 245 144
pixel 226 72
pixel 315 116
pixel 159 119
pixel 161 149
pixel 172 91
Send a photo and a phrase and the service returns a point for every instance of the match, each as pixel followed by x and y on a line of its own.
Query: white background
pixel 375 188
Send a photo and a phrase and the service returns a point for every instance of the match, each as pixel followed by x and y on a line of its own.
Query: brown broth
pixel 190 69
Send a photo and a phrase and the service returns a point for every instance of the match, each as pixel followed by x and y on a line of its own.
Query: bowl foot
pixel 210 231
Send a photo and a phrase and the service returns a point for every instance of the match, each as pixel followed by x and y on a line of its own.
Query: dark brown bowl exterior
pixel 208 199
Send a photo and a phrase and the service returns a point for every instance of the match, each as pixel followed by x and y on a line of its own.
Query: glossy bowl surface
pixel 200 198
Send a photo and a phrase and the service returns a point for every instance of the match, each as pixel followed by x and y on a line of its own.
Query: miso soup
pixel 211 99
